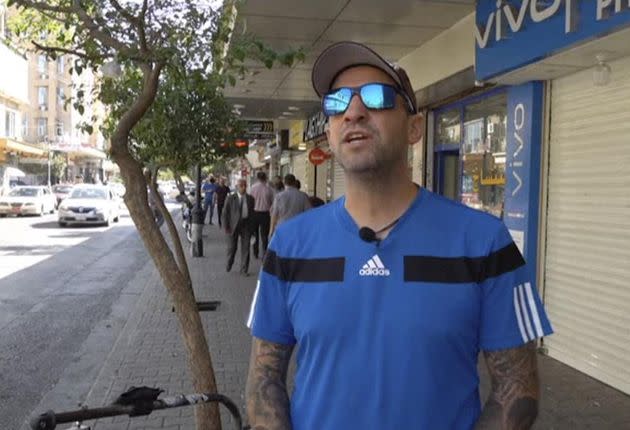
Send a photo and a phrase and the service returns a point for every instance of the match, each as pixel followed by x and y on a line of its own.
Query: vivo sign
pixel 524 31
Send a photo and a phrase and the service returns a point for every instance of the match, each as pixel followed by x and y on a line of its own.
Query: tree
pixel 149 38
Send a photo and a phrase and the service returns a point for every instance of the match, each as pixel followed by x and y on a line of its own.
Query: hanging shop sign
pixel 259 130
pixel 522 176
pixel 315 126
pixel 514 33
pixel 296 134
pixel 317 156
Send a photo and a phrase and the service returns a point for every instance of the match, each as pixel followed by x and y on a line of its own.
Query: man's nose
pixel 356 109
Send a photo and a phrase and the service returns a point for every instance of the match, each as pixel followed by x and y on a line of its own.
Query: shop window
pixel 448 127
pixel 484 154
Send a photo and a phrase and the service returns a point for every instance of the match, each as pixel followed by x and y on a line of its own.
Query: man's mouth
pixel 355 137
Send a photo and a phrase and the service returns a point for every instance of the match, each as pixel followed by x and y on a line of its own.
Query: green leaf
pixel 81 109
pixel 232 80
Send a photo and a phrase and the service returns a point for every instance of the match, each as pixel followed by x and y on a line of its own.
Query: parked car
pixel 61 192
pixel 89 204
pixel 28 200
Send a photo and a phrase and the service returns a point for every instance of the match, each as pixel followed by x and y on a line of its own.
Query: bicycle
pixel 137 401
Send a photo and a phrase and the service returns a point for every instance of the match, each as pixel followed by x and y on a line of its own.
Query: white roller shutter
pixel 339 181
pixel 587 269
pixel 299 167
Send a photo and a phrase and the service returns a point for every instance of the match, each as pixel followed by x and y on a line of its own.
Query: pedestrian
pixel 316 201
pixel 277 184
pixel 390 292
pixel 220 195
pixel 288 203
pixel 263 196
pixel 208 189
pixel 237 219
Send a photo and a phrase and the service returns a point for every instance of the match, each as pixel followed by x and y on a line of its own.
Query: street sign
pixel 317 156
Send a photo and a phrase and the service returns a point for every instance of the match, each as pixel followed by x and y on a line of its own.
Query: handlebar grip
pixel 45 421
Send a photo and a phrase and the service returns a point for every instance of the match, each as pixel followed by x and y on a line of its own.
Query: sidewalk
pixel 150 352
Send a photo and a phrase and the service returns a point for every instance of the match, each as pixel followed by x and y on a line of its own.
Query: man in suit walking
pixel 237 218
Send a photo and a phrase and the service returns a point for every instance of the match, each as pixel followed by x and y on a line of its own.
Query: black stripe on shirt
pixel 304 269
pixel 460 270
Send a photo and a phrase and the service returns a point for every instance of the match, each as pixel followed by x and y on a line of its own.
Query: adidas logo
pixel 374 267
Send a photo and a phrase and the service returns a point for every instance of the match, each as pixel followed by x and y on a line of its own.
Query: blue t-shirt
pixel 388 333
pixel 208 188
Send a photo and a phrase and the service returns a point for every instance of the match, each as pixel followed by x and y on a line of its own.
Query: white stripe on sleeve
pixel 534 310
pixel 528 325
pixel 253 306
pixel 519 318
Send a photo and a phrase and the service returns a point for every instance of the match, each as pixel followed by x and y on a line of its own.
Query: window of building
pixel 42 64
pixel 448 127
pixel 59 128
pixel 42 127
pixel 61 97
pixel 24 127
pixel 9 124
pixel 42 96
pixel 61 65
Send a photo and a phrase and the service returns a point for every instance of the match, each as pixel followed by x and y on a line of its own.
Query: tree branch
pixel 141 104
pixel 54 49
pixel 121 10
pixel 44 6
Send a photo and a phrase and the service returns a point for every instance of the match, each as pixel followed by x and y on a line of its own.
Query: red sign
pixel 317 156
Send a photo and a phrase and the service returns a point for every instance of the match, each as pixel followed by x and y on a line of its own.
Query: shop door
pixel 447 174
pixel 587 267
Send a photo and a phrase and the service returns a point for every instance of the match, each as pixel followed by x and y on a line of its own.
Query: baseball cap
pixel 343 55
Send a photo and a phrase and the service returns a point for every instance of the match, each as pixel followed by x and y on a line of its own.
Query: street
pixel 60 304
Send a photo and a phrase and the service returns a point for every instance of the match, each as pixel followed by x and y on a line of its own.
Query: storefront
pixel 585 221
pixel 320 177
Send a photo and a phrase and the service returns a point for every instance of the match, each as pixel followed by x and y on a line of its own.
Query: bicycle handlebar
pixel 50 419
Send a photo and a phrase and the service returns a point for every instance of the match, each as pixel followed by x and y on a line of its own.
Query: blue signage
pixel 514 33
pixel 524 143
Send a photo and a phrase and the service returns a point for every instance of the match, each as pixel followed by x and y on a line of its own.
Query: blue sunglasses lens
pixel 373 96
pixel 377 96
pixel 337 102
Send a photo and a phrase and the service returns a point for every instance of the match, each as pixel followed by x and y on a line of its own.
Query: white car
pixel 28 200
pixel 89 204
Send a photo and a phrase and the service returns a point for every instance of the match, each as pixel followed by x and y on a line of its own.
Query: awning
pixel 21 147
pixel 14 172
pixel 87 152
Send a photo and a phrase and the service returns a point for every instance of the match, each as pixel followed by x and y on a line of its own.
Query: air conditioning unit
pixel 43 107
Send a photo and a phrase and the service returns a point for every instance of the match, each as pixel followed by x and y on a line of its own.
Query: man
pixel 263 196
pixel 220 195
pixel 288 203
pixel 277 184
pixel 237 219
pixel 208 189
pixel 391 291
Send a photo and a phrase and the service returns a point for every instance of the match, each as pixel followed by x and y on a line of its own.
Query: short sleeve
pixel 512 313
pixel 269 315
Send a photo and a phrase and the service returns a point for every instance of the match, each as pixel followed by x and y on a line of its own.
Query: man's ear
pixel 415 128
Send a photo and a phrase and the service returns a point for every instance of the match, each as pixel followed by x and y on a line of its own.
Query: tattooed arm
pixel 267 396
pixel 513 402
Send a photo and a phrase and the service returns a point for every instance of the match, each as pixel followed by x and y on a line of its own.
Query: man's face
pixel 221 181
pixel 242 186
pixel 366 140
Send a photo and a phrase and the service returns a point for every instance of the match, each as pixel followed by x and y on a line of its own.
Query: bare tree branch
pixel 57 49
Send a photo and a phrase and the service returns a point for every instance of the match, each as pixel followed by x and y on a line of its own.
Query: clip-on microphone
pixel 368 235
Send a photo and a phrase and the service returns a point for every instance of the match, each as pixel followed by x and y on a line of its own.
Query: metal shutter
pixel 299 168
pixel 587 269
pixel 339 181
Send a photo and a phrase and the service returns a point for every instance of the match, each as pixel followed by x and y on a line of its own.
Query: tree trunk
pixel 180 291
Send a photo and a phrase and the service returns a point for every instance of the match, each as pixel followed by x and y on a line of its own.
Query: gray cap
pixel 343 55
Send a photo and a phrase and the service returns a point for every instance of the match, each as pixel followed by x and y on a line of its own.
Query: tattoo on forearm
pixel 513 403
pixel 267 397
